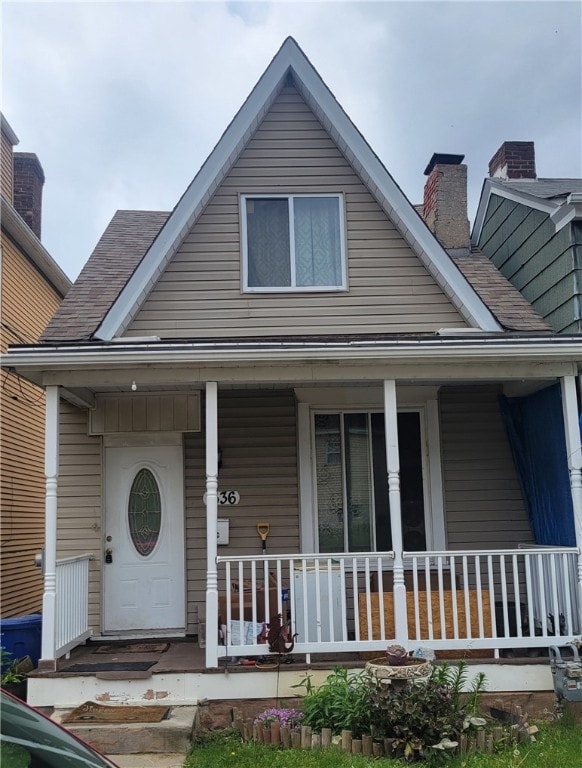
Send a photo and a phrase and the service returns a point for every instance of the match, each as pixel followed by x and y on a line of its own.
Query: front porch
pixel 412 476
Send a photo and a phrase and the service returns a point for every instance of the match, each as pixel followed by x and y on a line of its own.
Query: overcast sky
pixel 123 101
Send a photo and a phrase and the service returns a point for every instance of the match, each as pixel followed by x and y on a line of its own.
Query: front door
pixel 143 568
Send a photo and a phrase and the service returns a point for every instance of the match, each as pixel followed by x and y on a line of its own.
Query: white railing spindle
pixel 72 603
pixel 337 602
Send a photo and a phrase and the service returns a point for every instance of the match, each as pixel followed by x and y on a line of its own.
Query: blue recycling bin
pixel 22 637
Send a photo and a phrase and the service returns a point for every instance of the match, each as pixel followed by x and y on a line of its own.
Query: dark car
pixel 29 739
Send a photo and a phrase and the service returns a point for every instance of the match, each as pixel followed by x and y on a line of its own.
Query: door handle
pixel 108 556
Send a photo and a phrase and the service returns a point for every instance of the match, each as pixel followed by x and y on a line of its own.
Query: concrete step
pixel 172 735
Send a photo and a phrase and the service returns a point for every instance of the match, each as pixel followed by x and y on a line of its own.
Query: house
pixel 284 396
pixel 531 229
pixel 32 288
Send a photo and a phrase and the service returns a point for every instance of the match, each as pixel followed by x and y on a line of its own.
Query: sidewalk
pixel 149 761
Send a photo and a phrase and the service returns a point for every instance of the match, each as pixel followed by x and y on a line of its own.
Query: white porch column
pixel 211 523
pixel 574 454
pixel 51 470
pixel 393 465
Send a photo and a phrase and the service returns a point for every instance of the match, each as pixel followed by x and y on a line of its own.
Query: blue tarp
pixel 535 428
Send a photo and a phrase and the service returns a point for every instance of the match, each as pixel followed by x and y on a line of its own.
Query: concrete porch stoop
pixel 172 736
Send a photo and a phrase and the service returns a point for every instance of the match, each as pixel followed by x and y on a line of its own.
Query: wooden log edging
pixel 485 741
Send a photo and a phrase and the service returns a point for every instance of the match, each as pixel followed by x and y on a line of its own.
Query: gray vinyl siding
pixel 544 265
pixel 483 501
pixel 79 521
pixel 257 435
pixel 199 294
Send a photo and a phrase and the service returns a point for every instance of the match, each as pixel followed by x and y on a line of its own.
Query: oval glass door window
pixel 145 512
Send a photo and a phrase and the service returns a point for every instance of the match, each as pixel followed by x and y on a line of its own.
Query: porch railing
pixel 458 600
pixel 72 603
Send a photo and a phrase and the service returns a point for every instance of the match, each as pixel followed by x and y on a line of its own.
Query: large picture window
pixel 293 242
pixel 353 509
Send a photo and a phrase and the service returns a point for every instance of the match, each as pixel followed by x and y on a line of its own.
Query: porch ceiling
pixel 510 387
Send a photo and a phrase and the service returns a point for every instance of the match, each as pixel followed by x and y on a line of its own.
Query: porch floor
pixel 184 655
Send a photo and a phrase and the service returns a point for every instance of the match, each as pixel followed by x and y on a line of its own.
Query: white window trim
pixel 435 527
pixel 245 288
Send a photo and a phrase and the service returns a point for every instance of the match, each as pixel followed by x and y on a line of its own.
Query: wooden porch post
pixel 393 464
pixel 211 523
pixel 51 470
pixel 574 454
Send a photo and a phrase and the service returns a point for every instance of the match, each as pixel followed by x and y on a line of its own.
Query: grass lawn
pixel 559 745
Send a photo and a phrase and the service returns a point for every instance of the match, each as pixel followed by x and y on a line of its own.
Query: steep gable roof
pixel 130 233
pixel 291 60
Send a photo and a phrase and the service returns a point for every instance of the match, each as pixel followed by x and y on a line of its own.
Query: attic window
pixel 293 242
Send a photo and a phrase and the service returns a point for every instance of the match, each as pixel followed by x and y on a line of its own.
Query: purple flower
pixel 286 717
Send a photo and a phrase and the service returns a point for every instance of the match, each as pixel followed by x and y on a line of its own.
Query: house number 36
pixel 226 498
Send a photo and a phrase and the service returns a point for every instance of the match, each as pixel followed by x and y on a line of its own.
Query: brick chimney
pixel 514 160
pixel 445 200
pixel 28 183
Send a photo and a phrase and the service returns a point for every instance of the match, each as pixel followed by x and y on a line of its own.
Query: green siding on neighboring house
pixel 543 264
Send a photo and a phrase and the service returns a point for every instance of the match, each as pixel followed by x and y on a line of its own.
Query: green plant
pixel 11 674
pixel 426 718
pixel 418 716
pixel 456 679
pixel 341 702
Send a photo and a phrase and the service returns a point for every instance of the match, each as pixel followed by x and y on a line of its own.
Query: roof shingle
pixel 543 188
pixel 120 249
pixel 510 308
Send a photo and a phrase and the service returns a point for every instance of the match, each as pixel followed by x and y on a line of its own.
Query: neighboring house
pixel 531 229
pixel 32 289
pixel 292 345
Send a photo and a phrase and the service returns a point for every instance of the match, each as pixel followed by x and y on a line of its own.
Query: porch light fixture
pixel 133 386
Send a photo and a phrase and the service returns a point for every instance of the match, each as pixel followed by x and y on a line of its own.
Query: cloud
pixel 123 101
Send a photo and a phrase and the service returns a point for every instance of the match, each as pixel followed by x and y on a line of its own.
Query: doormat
pixel 92 713
pixel 133 648
pixel 109 666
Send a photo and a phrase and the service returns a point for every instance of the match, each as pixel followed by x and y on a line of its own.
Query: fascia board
pixel 189 207
pixel 481 211
pixel 23 235
pixel 358 152
pixel 564 349
pixel 565 214
pixel 7 130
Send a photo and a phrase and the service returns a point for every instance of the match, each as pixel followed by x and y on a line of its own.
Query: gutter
pixel 39 357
